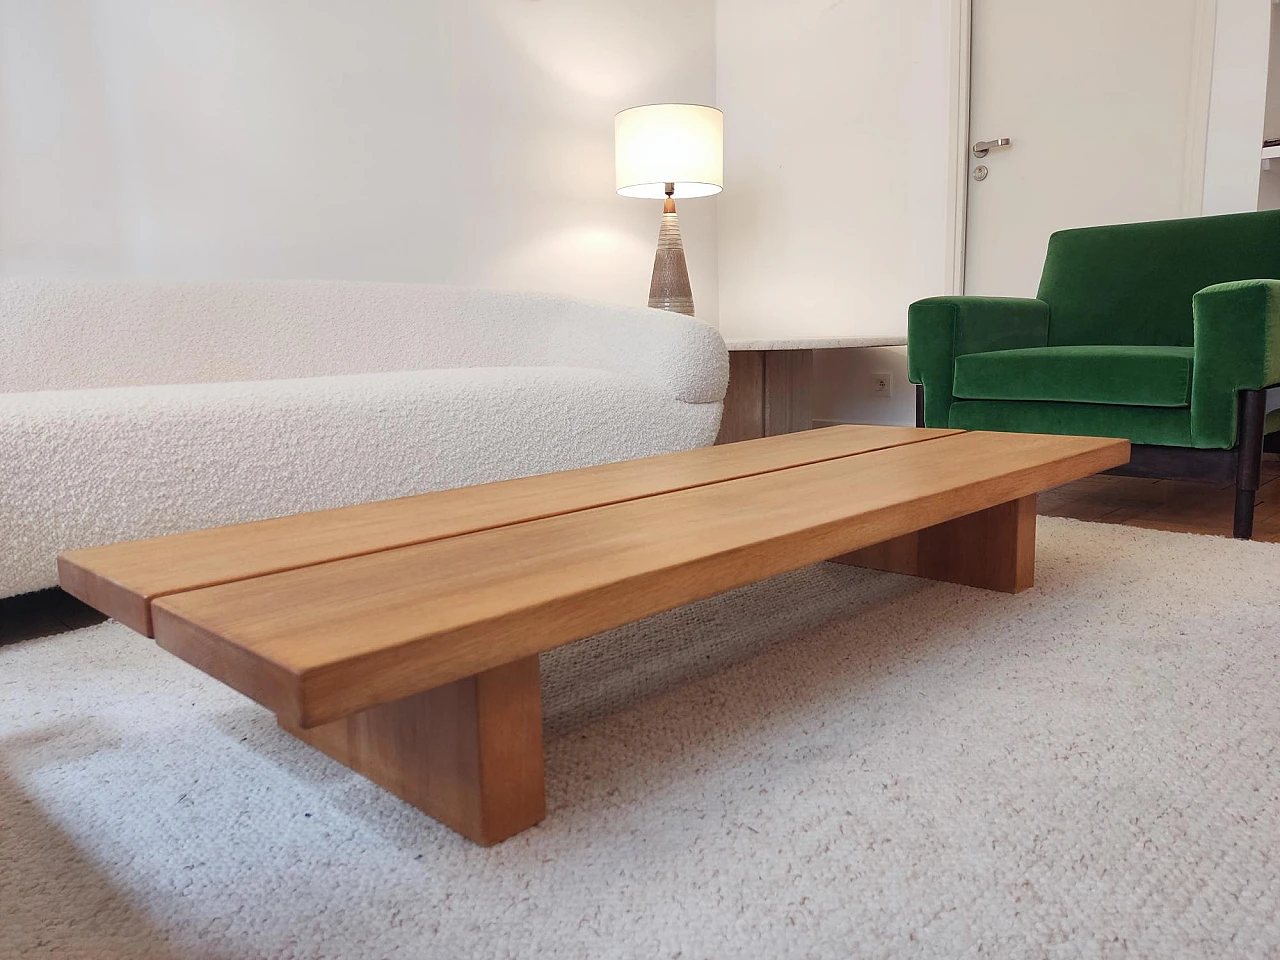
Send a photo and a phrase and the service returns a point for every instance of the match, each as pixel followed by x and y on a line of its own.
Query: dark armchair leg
pixel 919 404
pixel 1253 412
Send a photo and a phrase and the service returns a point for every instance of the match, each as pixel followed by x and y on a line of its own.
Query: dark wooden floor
pixel 1168 504
pixel 1155 504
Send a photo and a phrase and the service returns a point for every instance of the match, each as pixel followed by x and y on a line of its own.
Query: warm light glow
pixel 678 143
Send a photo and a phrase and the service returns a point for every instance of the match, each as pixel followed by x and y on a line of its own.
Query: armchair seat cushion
pixel 1121 375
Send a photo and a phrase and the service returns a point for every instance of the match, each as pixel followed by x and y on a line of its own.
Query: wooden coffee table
pixel 402 637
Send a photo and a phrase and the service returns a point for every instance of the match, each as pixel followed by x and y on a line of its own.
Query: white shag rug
pixel 834 763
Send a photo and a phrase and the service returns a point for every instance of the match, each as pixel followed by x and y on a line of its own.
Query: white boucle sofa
pixel 136 409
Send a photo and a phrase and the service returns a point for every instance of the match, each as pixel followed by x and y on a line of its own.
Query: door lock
pixel 980 173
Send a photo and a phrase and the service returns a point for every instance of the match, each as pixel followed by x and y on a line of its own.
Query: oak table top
pixel 354 624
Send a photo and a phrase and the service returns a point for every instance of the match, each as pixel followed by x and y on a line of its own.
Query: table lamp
pixel 672 150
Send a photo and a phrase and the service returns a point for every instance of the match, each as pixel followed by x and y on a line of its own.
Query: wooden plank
pixel 743 417
pixel 788 391
pixel 468 753
pixel 994 549
pixel 122 579
pixel 318 643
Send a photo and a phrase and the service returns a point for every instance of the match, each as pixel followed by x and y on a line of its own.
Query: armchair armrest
pixel 940 329
pixel 1236 347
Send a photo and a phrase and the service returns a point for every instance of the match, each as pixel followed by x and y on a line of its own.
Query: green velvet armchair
pixel 1167 333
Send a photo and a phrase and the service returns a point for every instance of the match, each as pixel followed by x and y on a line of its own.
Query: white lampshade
pixel 677 143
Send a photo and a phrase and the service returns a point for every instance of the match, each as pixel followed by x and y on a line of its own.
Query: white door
pixel 1104 104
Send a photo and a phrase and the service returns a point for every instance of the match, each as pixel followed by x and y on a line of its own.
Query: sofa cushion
pixel 1127 375
pixel 85 467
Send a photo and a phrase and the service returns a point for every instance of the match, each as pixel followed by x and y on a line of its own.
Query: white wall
pixel 1237 102
pixel 1271 108
pixel 836 163
pixel 837 156
pixel 462 141
pixel 1269 182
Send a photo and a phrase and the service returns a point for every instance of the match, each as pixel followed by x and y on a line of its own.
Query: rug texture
pixel 833 763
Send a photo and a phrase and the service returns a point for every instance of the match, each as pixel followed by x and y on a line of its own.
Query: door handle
pixel 983 147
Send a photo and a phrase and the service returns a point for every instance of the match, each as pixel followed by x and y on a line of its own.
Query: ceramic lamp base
pixel 669 289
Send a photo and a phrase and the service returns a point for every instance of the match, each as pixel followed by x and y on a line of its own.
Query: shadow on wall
pixel 843 387
pixel 467 143
pixel 602 57
pixel 596 50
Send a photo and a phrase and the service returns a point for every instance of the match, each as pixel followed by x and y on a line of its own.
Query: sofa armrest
pixel 684 358
pixel 1237 347
pixel 940 329
pixel 85 467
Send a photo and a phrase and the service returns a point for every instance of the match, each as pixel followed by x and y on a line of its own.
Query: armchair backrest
pixel 1132 283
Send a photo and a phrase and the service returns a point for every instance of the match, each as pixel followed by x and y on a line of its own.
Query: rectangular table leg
pixel 468 754
pixel 994 549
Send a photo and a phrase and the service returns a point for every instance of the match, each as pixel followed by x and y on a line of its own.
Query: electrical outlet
pixel 882 384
